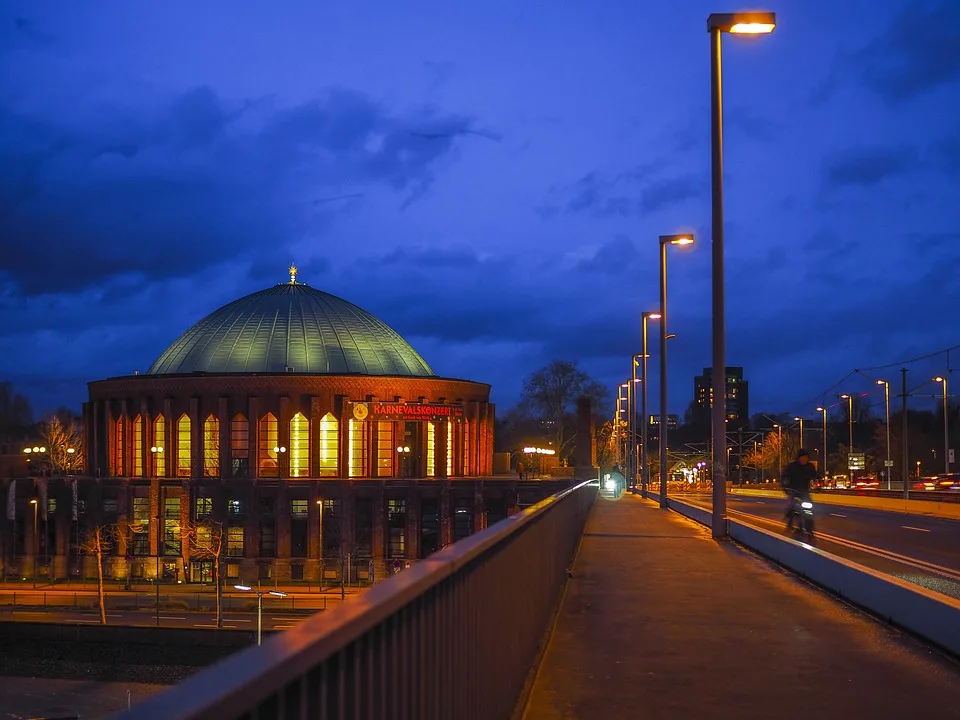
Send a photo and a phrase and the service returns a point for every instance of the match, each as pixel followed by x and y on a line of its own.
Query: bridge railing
pixel 455 636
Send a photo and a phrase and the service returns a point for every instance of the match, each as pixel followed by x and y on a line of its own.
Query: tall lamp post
pixel 664 241
pixel 275 593
pixel 849 399
pixel 747 23
pixel 823 470
pixel 779 428
pixel 36 548
pixel 623 395
pixel 644 464
pixel 631 468
pixel 156 452
pixel 888 465
pixel 800 432
pixel 946 428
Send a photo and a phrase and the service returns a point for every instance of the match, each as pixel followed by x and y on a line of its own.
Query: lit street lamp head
pixel 686 239
pixel 742 23
pixel 652 315
pixel 243 587
pixel 938 378
pixel 821 409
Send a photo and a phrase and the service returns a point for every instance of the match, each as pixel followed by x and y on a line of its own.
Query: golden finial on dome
pixel 293 274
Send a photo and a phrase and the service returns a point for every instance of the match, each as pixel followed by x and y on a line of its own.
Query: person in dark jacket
pixel 796 480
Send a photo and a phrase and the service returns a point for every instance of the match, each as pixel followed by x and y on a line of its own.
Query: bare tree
pixel 207 540
pixel 550 396
pixel 100 541
pixel 64 443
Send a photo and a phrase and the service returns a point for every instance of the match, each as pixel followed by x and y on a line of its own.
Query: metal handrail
pixel 364 647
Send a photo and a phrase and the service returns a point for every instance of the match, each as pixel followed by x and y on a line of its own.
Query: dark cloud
pixel 918 52
pixel 635 192
pixel 670 191
pixel 618 255
pixel 869 166
pixel 126 194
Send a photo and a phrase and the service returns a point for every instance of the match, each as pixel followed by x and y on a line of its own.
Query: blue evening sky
pixel 488 178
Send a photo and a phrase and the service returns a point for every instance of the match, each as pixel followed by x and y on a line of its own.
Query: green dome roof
pixel 291 328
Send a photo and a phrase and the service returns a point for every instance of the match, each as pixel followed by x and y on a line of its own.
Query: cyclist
pixel 796 480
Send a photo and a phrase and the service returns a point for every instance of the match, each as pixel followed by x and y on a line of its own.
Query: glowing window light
pixel 138 446
pixel 299 446
pixel 329 445
pixel 431 449
pixel 211 446
pixel 159 439
pixel 183 446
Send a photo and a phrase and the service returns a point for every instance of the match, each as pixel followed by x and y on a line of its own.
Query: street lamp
pixel 849 399
pixel 632 421
pixel 665 240
pixel 779 428
pixel 275 593
pixel 946 429
pixel 823 470
pixel 800 433
pixel 644 464
pixel 748 23
pixel 888 465
pixel 36 504
pixel 624 421
pixel 403 451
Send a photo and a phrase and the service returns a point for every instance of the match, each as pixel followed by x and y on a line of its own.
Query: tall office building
pixel 738 409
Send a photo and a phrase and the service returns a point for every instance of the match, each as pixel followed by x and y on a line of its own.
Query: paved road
pixel 272 620
pixel 915 548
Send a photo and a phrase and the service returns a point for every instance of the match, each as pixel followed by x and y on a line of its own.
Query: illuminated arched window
pixel 183 446
pixel 466 447
pixel 267 455
pixel 357 449
pixel 118 448
pixel 431 449
pixel 211 446
pixel 299 449
pixel 329 445
pixel 240 445
pixel 158 449
pixel 450 427
pixel 138 446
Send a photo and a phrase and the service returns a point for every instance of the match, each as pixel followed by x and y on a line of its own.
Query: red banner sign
pixel 383 411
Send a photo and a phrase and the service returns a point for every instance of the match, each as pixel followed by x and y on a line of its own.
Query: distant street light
pixel 946 428
pixel 247 588
pixel 888 466
pixel 644 463
pixel 748 23
pixel 849 399
pixel 665 240
pixel 823 458
pixel 36 547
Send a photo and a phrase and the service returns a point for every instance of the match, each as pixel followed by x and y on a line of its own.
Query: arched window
pixel 183 446
pixel 138 446
pixel 450 427
pixel 357 449
pixel 299 449
pixel 431 449
pixel 329 445
pixel 118 448
pixel 267 455
pixel 465 427
pixel 158 449
pixel 385 449
pixel 211 446
pixel 240 445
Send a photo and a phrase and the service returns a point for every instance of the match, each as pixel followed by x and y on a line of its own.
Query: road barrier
pixel 932 616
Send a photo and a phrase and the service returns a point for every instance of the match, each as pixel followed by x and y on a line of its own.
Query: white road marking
pixel 170 617
pixel 908 527
pixel 282 627
pixel 215 625
pixel 837 515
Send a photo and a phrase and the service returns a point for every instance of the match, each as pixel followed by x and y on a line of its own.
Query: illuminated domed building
pixel 305 428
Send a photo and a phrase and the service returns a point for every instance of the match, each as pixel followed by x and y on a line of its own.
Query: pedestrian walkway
pixel 661 621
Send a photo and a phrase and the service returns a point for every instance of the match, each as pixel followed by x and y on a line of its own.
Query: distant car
pixel 927 483
pixel 948 481
pixel 866 482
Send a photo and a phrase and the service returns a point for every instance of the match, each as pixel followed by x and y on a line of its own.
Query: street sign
pixel 888 463
pixel 856 461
